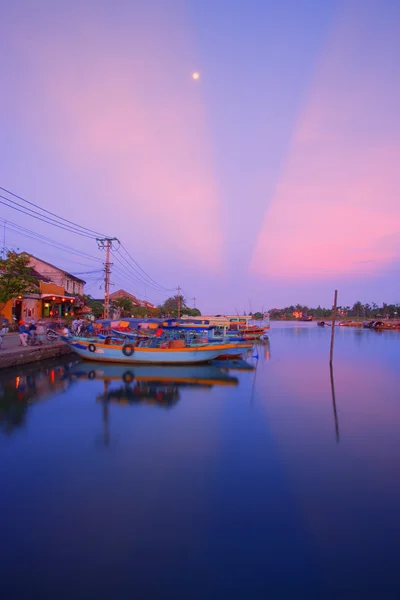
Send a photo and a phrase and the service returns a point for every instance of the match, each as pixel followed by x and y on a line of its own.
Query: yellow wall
pixel 51 288
pixel 7 310
pixel 28 304
pixel 33 304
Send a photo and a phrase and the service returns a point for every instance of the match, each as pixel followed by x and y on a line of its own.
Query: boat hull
pixel 101 352
pixel 235 352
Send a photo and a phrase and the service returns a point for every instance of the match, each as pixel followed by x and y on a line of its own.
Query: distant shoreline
pixel 341 318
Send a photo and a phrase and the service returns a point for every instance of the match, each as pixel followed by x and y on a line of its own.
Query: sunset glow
pixel 279 171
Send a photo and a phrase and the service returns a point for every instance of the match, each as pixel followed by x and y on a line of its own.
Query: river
pixel 270 481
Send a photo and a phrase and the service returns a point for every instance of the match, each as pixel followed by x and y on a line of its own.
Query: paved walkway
pixel 12 354
pixel 11 341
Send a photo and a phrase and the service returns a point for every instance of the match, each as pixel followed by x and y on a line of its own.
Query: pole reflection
pixel 335 415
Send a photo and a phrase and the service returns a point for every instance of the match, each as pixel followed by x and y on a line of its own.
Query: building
pixel 123 294
pixel 70 283
pixel 135 301
pixel 55 296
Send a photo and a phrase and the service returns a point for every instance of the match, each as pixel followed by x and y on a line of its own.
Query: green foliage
pixel 258 316
pixel 15 277
pixel 124 306
pixel 170 308
pixel 358 310
pixel 95 306
pixel 127 308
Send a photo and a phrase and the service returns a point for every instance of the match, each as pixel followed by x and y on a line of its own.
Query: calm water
pixel 206 483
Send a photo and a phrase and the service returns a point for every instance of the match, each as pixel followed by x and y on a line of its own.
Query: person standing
pixel 33 332
pixel 23 333
pixel 2 334
pixel 41 332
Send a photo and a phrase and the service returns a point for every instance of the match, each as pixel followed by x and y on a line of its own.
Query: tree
pixel 96 307
pixel 258 316
pixel 124 306
pixel 15 277
pixel 170 307
pixel 357 309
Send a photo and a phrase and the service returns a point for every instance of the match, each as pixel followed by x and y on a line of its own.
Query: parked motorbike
pixel 51 335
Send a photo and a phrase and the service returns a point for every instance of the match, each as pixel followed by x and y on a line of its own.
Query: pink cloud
pixel 125 114
pixel 336 204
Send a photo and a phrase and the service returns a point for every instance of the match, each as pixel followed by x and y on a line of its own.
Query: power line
pixel 50 213
pixel 47 240
pixel 43 218
pixel 146 274
pixel 138 280
pixel 138 276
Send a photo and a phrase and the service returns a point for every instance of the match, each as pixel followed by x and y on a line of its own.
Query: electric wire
pixel 44 219
pixel 144 272
pixel 15 228
pixel 51 213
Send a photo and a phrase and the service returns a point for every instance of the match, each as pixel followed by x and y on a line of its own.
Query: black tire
pixel 51 336
pixel 128 349
pixel 92 348
pixel 92 375
pixel 128 377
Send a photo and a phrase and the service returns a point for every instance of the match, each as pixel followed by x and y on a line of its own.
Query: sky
pixel 271 180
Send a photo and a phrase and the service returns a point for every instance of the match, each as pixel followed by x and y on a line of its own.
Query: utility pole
pixel 179 302
pixel 4 239
pixel 106 244
pixel 194 302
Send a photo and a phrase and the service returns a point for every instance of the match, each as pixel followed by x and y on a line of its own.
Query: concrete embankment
pixel 15 356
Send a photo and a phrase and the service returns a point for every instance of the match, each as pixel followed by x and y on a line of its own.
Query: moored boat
pixel 155 351
pixel 385 326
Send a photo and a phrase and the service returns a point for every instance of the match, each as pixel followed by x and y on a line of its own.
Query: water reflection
pixel 335 415
pixel 197 477
pixel 150 384
pixel 22 387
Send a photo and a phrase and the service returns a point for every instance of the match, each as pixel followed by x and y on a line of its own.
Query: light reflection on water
pixel 278 480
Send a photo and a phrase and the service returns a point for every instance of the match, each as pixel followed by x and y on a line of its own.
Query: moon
pixel 195 75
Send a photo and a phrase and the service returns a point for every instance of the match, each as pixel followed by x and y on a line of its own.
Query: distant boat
pixel 324 324
pixel 385 326
pixel 305 318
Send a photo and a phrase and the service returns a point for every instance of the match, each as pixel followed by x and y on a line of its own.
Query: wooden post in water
pixel 333 328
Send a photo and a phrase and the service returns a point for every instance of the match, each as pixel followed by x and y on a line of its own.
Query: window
pixel 73 287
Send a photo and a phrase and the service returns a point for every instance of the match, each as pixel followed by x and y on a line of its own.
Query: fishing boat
pixel 154 350
pixel 385 326
pixel 241 324
pixel 199 336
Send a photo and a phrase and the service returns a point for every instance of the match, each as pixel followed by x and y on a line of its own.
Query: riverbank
pixel 13 355
pixel 339 319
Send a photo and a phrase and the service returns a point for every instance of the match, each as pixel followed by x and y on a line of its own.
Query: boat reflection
pixel 151 384
pixel 236 364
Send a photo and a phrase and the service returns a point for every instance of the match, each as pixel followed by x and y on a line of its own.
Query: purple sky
pixel 272 179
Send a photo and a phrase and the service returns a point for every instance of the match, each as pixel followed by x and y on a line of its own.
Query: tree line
pixel 358 310
pixel 170 308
